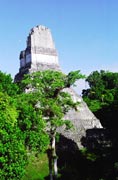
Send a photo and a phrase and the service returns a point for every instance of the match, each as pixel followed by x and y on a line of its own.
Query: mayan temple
pixel 41 54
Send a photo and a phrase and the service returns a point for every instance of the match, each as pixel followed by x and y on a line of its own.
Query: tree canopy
pixel 102 96
pixel 12 150
pixel 7 85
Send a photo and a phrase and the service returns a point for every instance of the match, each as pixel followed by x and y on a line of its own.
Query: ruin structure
pixel 40 54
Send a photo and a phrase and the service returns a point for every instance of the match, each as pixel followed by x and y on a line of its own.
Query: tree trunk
pixel 54 156
pixel 49 153
pixel 53 169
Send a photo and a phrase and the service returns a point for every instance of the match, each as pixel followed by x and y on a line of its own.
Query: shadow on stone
pixel 74 164
pixel 102 146
pixel 98 160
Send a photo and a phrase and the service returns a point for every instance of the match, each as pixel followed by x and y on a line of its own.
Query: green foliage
pixel 31 123
pixel 103 86
pixel 7 86
pixel 12 151
pixel 73 76
pixel 37 168
pixel 116 165
pixel 102 96
pixel 48 93
pixel 89 155
pixel 94 105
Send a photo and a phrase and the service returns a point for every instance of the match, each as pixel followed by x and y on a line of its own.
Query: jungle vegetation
pixel 31 112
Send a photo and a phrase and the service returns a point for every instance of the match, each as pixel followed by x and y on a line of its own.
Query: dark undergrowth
pixel 97 160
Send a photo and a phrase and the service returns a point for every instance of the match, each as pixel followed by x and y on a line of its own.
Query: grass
pixel 37 169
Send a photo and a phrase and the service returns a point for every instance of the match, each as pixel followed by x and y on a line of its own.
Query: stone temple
pixel 40 54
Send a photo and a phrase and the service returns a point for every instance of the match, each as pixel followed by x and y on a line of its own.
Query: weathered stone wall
pixel 40 53
pixel 40 36
pixel 82 120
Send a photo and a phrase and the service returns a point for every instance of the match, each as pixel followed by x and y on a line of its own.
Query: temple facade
pixel 40 53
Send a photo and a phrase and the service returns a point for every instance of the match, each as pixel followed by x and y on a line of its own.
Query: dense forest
pixel 32 110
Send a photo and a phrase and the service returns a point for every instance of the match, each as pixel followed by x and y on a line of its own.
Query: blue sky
pixel 85 32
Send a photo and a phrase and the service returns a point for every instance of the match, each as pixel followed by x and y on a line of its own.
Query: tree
pixel 7 85
pixel 103 87
pixel 102 96
pixel 47 91
pixel 12 150
pixel 102 99
pixel 31 123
